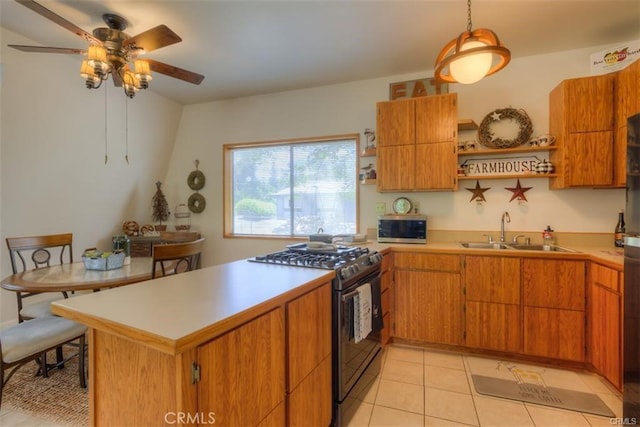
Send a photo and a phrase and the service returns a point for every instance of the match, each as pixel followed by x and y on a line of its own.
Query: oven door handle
pixel 349 295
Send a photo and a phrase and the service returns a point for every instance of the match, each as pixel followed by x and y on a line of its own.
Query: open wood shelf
pixel 529 175
pixel 505 151
pixel 368 153
pixel 369 182
pixel 467 124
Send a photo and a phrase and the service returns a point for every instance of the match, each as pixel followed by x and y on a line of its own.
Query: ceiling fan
pixel 111 51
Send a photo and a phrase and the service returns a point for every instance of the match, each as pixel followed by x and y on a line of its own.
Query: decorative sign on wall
pixel 417 88
pixel 500 166
pixel 615 58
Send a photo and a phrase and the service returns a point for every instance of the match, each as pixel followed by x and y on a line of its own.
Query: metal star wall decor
pixel 518 192
pixel 478 193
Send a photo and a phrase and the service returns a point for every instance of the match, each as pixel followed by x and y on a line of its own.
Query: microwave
pixel 402 229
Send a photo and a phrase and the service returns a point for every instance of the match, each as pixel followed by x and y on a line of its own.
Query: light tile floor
pixel 425 387
pixel 431 388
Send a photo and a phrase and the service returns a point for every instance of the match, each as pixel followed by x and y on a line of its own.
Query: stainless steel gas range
pixel 356 352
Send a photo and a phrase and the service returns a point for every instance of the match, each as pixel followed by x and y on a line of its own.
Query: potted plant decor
pixel 160 208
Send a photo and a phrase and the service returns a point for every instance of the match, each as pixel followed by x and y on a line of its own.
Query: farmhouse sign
pixel 416 88
pixel 500 166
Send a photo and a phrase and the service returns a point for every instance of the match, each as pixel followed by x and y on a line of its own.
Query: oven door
pixel 351 358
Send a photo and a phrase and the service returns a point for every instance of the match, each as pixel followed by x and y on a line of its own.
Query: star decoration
pixel 477 193
pixel 518 192
pixel 496 116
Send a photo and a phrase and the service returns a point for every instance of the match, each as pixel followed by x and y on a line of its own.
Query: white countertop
pixel 176 312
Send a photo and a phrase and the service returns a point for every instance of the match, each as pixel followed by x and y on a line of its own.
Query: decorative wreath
pixel 487 137
pixel 196 180
pixel 196 203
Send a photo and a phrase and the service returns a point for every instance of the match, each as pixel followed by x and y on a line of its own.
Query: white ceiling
pixel 254 47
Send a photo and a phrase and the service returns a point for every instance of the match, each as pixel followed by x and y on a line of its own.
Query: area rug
pixel 530 387
pixel 58 398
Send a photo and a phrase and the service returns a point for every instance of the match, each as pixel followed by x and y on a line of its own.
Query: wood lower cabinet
pixel 309 390
pixel 493 309
pixel 428 298
pixel 243 372
pixel 554 308
pixel 605 325
pixel 386 289
pixel 273 370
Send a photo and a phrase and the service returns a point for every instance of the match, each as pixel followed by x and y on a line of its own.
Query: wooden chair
pixel 40 250
pixel 174 258
pixel 31 339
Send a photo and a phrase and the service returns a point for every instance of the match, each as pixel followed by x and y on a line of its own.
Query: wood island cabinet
pixel 554 308
pixel 309 392
pixel 605 325
pixel 493 309
pixel 417 140
pixel 428 298
pixel 581 116
pixel 272 370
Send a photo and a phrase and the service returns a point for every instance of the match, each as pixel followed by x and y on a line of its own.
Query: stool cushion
pixel 37 335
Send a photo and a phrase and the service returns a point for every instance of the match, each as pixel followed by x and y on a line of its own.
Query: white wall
pixel 52 158
pixel 350 107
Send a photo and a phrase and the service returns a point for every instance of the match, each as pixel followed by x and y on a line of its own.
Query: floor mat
pixel 542 395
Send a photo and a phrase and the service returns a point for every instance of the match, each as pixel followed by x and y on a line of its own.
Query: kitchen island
pixel 235 344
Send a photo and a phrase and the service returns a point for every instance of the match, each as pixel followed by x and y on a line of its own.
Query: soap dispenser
pixel 547 238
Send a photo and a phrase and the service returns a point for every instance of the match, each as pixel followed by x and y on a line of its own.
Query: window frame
pixel 227 180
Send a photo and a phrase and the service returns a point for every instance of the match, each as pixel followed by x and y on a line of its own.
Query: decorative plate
pixel 488 137
pixel 402 205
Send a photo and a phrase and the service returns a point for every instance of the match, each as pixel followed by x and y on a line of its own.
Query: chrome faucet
pixel 507 218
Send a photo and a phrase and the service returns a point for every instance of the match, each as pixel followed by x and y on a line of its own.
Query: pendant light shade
pixel 471 56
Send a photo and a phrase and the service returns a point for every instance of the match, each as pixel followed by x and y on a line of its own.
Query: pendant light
pixel 470 57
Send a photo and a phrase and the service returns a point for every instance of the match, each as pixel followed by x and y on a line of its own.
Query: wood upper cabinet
pixel 428 298
pixel 554 308
pixel 581 116
pixel 309 390
pixel 396 125
pixel 628 104
pixel 493 310
pixel 417 141
pixel 605 325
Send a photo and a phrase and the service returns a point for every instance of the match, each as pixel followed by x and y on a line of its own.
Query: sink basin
pixel 551 248
pixel 485 245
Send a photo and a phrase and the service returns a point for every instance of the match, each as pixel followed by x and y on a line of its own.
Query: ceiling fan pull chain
pixel 106 158
pixel 126 129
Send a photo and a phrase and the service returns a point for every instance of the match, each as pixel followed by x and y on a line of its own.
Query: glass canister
pixel 122 242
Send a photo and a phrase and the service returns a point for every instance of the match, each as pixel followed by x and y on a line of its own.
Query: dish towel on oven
pixel 362 313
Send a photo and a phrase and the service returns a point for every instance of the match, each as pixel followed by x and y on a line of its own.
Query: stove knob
pixel 355 268
pixel 344 273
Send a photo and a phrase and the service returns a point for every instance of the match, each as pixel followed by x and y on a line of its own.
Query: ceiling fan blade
pixel 44 49
pixel 153 39
pixel 41 10
pixel 175 72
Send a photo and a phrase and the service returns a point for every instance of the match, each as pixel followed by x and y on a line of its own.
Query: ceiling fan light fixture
pixel 130 83
pixel 142 73
pixel 97 58
pixel 87 72
pixel 472 56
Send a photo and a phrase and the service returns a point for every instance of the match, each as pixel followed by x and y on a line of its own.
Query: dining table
pixel 75 277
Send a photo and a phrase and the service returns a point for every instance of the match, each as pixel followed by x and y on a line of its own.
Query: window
pixel 292 188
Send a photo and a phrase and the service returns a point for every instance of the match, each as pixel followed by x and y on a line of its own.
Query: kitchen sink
pixel 484 245
pixel 551 248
